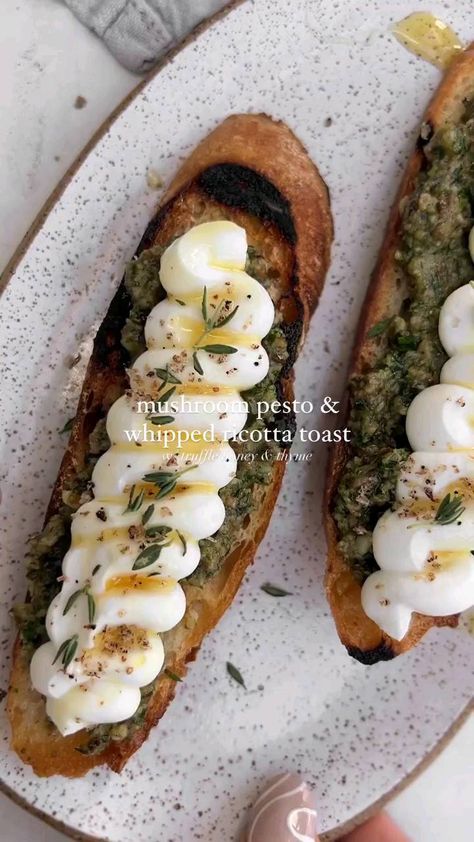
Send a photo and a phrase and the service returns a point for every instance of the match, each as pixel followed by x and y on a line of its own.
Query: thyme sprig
pixel 450 509
pixel 166 378
pixel 134 502
pixel 160 535
pixel 67 650
pixel 90 600
pixel 213 321
pixel 165 481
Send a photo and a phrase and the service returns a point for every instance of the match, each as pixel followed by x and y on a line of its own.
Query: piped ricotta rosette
pixel 424 547
pixel 154 500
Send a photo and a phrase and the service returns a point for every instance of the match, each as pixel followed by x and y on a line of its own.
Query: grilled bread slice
pixel 253 171
pixel 363 638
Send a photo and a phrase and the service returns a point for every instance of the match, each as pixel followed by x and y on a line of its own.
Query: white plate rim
pixel 6 276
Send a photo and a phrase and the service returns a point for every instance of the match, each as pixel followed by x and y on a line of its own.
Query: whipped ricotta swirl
pixel 425 546
pixel 154 500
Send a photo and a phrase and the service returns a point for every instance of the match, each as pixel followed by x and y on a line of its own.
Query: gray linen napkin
pixel 138 32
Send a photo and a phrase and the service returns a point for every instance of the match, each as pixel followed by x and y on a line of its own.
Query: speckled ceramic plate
pixel 354 97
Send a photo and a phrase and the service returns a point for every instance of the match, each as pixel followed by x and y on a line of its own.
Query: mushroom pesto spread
pixel 240 497
pixel 433 260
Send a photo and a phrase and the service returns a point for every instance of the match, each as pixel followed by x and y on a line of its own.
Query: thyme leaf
pixel 158 420
pixel 183 541
pixel 157 476
pixel 90 606
pixel 235 674
pixel 204 307
pixel 165 489
pixel 274 590
pixel 147 514
pixel 68 426
pixel 70 602
pixel 147 556
pixel 379 328
pixel 218 349
pixel 167 395
pixel 196 364
pixel 406 342
pixel 227 318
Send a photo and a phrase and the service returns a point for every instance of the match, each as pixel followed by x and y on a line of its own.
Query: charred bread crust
pixel 283 203
pixel 363 639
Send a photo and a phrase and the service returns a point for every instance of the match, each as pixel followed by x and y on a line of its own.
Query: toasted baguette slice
pixel 253 171
pixel 363 638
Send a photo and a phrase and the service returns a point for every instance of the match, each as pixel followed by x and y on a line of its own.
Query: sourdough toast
pixel 253 171
pixel 364 640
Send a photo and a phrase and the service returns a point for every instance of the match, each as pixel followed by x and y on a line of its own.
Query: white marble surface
pixel 47 59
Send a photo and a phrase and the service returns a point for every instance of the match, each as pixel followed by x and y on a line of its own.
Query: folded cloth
pixel 138 32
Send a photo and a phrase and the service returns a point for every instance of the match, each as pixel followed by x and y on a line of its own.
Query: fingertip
pixel 380 828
